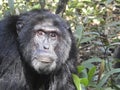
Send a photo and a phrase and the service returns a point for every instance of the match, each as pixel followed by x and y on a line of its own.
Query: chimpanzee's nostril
pixel 46 46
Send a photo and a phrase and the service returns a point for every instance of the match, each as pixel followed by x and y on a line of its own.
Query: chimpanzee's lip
pixel 46 60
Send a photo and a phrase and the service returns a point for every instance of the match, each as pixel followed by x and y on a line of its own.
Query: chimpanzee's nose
pixel 46 46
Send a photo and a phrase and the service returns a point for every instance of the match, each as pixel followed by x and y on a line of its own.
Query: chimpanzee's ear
pixel 19 26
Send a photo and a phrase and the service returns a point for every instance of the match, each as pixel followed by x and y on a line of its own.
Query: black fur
pixel 15 71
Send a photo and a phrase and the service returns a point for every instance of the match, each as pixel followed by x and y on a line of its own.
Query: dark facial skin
pixel 45 41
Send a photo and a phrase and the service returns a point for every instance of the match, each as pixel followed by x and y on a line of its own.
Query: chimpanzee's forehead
pixel 46 19
pixel 46 25
pixel 49 23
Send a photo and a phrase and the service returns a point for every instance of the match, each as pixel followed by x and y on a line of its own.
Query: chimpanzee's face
pixel 45 43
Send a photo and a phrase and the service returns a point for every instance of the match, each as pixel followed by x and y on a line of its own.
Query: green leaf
pixel 91 73
pixel 84 81
pixel 106 76
pixel 80 68
pixel 88 63
pixel 76 81
pixel 86 39
pixel 36 6
pixel 79 33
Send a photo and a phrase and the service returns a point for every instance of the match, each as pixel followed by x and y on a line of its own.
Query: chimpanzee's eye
pixel 53 34
pixel 40 32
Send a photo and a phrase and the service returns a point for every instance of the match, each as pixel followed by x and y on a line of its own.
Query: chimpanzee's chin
pixel 43 66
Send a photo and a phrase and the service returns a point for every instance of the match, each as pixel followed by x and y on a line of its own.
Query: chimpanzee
pixel 37 52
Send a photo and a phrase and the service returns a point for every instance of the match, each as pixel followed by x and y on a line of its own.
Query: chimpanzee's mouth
pixel 45 60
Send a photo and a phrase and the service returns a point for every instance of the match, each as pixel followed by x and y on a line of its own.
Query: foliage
pixel 96 26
